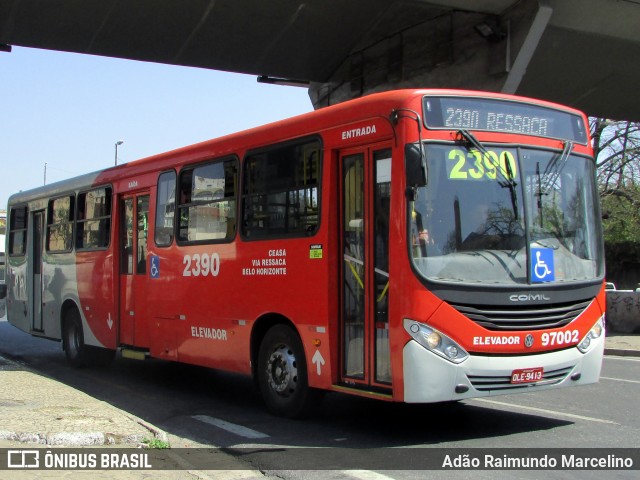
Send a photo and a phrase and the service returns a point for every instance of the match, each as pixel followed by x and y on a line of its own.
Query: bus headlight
pixel 596 331
pixel 435 341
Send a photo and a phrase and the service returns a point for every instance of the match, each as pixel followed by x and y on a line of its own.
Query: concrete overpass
pixel 584 53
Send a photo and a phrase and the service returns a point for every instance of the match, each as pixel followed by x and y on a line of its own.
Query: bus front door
pixel 365 201
pixel 134 216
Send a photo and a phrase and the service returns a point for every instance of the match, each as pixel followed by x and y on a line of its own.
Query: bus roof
pixel 332 116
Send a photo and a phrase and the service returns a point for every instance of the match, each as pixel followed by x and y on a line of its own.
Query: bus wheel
pixel 73 339
pixel 282 374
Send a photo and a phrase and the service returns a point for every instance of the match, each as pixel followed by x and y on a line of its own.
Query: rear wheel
pixel 73 339
pixel 282 374
pixel 78 353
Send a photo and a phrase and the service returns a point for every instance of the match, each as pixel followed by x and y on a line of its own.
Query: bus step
pixel 364 392
pixel 134 354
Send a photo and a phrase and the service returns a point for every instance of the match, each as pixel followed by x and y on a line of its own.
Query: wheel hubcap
pixel 282 372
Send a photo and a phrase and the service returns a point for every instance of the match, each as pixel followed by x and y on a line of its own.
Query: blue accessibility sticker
pixel 155 266
pixel 542 268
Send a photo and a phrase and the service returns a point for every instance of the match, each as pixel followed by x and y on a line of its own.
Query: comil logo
pixel 530 297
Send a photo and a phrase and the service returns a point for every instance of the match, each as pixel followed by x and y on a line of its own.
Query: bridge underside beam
pixel 583 53
pixel 526 50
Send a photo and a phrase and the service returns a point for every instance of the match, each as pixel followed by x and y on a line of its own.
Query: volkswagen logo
pixel 528 341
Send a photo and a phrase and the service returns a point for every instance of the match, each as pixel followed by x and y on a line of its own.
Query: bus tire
pixel 282 374
pixel 73 339
pixel 78 354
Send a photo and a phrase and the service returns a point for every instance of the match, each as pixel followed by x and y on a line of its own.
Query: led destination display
pixel 502 116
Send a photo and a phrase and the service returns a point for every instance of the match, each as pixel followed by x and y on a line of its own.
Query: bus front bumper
pixel 430 378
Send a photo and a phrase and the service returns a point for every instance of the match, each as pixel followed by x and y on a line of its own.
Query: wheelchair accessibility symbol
pixel 155 266
pixel 542 269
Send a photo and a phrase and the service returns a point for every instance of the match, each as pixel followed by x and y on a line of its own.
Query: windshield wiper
pixel 555 167
pixel 505 181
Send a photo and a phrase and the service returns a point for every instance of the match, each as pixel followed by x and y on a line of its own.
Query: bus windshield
pixel 505 216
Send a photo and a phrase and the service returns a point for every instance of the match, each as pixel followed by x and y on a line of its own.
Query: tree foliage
pixel 617 151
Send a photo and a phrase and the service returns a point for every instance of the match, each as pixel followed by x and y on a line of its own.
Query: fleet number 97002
pixel 560 338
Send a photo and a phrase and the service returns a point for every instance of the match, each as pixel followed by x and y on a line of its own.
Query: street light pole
pixel 119 142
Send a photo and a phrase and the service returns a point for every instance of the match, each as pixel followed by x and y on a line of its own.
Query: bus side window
pixel 93 220
pixel 207 206
pixel 60 224
pixel 165 209
pixel 281 191
pixel 18 231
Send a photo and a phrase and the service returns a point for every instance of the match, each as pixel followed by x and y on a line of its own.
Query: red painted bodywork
pixel 177 317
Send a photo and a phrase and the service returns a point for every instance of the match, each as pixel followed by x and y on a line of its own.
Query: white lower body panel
pixel 430 378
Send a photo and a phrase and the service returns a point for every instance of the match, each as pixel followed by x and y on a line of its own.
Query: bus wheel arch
pixel 280 368
pixel 78 353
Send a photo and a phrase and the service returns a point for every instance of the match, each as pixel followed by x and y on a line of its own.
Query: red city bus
pixel 413 246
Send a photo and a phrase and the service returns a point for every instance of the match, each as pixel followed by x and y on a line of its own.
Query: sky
pixel 68 110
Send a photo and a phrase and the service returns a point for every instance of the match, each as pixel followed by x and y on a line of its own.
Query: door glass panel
pixel 126 254
pixel 354 256
pixel 142 215
pixel 38 233
pixel 381 206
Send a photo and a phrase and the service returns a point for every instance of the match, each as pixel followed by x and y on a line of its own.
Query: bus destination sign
pixel 507 116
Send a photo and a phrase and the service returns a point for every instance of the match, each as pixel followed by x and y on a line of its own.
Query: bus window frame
pixel 11 230
pixel 192 167
pixel 72 221
pixel 175 209
pixel 300 141
pixel 77 221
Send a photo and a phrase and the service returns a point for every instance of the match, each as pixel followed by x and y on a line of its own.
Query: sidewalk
pixel 622 345
pixel 39 412
pixel 36 411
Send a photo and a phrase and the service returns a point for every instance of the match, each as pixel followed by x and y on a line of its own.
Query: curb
pixel 621 352
pixel 86 439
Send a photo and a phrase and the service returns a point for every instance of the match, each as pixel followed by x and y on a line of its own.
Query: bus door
pixel 365 199
pixel 36 279
pixel 134 217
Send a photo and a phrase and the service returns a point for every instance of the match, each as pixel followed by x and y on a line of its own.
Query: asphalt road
pixel 223 410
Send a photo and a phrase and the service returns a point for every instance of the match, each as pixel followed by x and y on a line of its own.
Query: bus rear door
pixel 365 201
pixel 134 217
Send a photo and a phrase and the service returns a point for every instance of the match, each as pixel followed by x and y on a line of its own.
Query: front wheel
pixel 282 374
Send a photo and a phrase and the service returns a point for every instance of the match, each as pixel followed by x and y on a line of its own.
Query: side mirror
pixel 415 165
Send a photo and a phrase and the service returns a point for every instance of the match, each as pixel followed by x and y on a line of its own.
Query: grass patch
pixel 155 443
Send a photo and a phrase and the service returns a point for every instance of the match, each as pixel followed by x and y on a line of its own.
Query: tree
pixel 617 152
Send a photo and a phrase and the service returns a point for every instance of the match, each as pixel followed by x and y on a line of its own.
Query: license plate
pixel 527 375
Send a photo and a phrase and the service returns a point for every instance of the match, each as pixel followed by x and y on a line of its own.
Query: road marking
pixel 544 410
pixel 365 475
pixel 619 379
pixel 230 427
pixel 619 357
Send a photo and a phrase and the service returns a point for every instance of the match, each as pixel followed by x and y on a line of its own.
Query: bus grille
pixel 523 318
pixel 487 383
